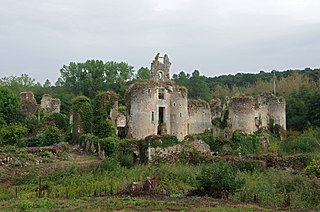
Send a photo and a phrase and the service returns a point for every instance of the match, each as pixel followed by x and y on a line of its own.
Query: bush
pixel 109 164
pixel 215 143
pixel 164 141
pixel 105 129
pixel 302 144
pixel 56 119
pixel 219 180
pixel 246 144
pixel 109 145
pixel 126 159
pixel 11 134
pixel 313 168
pixel 50 136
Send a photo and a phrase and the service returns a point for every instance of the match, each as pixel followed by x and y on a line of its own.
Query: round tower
pixel 242 114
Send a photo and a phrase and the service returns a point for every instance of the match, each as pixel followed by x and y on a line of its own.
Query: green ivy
pixel 82 105
pixel 102 105
pixel 164 141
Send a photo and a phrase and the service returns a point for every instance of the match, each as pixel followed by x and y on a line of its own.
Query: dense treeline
pixel 299 87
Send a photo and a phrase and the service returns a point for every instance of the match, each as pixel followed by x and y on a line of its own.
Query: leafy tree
pixel 47 84
pixel 143 74
pixel 198 88
pixel 94 75
pixel 10 110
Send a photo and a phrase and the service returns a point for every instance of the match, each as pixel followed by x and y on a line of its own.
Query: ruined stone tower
pixel 158 106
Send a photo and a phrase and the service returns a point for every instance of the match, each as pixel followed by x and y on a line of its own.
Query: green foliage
pixel 102 105
pixel 11 134
pixel 280 188
pixel 81 106
pixel 309 141
pixel 164 141
pixel 196 84
pixel 126 159
pixel 50 136
pixel 130 146
pixel 215 143
pixel 109 145
pixel 313 168
pixel 105 129
pixel 143 74
pixel 122 109
pixel 246 144
pixel 10 111
pixel 219 180
pixel 109 164
pixel 32 124
pixel 92 76
pixel 224 122
pixel 56 119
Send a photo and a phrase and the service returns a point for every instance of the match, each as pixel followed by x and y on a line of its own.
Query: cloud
pixel 215 36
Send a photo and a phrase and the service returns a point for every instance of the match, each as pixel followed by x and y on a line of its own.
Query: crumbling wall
pixel 216 108
pixel 199 116
pixel 28 103
pixel 160 70
pixel 49 104
pixel 141 110
pixel 277 111
pixel 242 114
pixel 179 112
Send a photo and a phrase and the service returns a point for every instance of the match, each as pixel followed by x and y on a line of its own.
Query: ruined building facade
pixel 248 114
pixel 160 107
pixel 48 104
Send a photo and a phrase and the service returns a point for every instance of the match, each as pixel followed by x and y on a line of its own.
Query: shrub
pixel 109 145
pixel 109 164
pixel 126 159
pixel 56 119
pixel 32 124
pixel 164 141
pixel 246 144
pixel 215 143
pixel 313 168
pixel 219 180
pixel 52 135
pixel 301 144
pixel 11 134
pixel 105 129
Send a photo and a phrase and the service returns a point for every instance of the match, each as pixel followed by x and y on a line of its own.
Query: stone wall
pixel 179 113
pixel 49 104
pixel 249 114
pixel 199 116
pixel 28 103
pixel 242 114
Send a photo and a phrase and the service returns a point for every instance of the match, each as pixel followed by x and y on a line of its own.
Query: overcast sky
pixel 216 37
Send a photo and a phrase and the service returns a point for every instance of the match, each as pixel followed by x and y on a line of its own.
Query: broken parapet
pixel 28 103
pixel 49 104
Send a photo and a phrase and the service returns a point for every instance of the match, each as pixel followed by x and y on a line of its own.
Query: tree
pixel 198 88
pixel 94 75
pixel 10 110
pixel 143 74
pixel 47 84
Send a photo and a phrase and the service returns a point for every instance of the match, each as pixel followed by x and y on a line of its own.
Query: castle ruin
pixel 160 107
